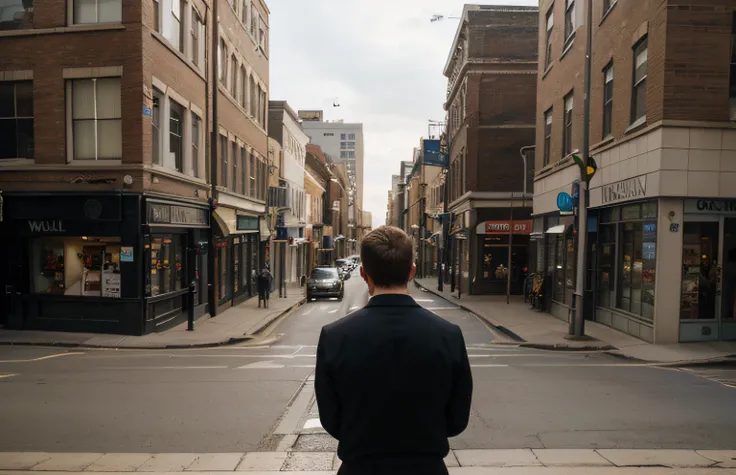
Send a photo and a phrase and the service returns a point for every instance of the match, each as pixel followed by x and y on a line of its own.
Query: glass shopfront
pixel 626 274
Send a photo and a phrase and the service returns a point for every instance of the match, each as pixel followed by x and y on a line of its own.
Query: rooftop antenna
pixel 336 102
pixel 436 18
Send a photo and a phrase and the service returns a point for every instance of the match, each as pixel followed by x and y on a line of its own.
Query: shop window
pixel 559 270
pixel 699 271
pixel 255 263
pixel 97 11
pixel 16 119
pixel 79 266
pixel 223 265
pixel 236 266
pixel 606 265
pixel 167 264
pixel 96 119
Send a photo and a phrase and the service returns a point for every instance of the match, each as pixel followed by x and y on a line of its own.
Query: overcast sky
pixel 382 59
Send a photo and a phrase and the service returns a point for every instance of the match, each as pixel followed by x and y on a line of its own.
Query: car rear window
pixel 324 273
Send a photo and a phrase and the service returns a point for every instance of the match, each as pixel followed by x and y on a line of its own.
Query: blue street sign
pixel 564 201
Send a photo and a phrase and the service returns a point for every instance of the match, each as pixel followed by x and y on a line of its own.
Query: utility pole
pixel 578 305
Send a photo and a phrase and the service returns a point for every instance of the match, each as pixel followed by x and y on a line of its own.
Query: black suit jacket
pixel 393 383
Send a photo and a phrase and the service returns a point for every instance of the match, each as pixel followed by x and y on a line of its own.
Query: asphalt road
pixel 232 399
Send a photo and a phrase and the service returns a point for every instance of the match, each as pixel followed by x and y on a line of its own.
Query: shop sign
pixel 126 254
pixel 710 206
pixel 179 215
pixel 625 190
pixel 46 226
pixel 247 223
pixel 505 227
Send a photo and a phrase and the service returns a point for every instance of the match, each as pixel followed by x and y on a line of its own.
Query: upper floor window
pixel 347 145
pixel 253 20
pixel 176 134
pixel 548 36
pixel 198 39
pixel 96 123
pixel 16 14
pixel 639 95
pixel 347 154
pixel 97 11
pixel 607 100
pixel 233 76
pixel 253 98
pixel 224 164
pixel 567 134
pixel 196 140
pixel 176 34
pixel 16 119
pixel 157 16
pixel 547 135
pixel 222 59
pixel 243 88
pixel 569 19
pixel 158 101
pixel 244 12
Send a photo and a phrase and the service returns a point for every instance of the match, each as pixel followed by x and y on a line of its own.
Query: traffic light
pixel 586 170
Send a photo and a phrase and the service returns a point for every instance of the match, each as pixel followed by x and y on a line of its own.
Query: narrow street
pixel 242 398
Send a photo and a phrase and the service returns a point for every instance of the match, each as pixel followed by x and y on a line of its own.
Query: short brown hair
pixel 387 255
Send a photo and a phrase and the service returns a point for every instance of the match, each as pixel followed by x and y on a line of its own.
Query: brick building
pixel 490 104
pixel 662 134
pixel 316 178
pixel 104 158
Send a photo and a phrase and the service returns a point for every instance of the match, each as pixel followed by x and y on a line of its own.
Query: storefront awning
pixel 559 229
pixel 227 222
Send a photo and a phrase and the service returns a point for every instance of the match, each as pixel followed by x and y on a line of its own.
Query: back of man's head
pixel 387 256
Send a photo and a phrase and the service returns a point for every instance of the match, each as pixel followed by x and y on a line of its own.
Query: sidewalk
pixel 236 324
pixel 531 328
pixel 474 461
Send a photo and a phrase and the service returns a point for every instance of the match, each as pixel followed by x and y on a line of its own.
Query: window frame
pixel 608 92
pixel 224 147
pixel 196 140
pixel 567 123
pixel 233 76
pixel 637 86
pixel 550 24
pixel 69 86
pixel 223 58
pixel 174 136
pixel 16 118
pixel 569 21
pixel 548 122
pixel 72 14
pixel 195 33
pixel 158 102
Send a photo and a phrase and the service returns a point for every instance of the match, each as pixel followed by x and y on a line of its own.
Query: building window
pixel 607 100
pixel 639 97
pixel 197 32
pixel 16 14
pixel 548 36
pixel 569 19
pixel 97 11
pixel 158 99
pixel 347 145
pixel 253 20
pixel 264 103
pixel 252 176
pixel 234 76
pixel 732 83
pixel 223 264
pixel 176 34
pixel 176 132
pixel 222 58
pixel 547 136
pixel 223 161
pixel 607 5
pixel 253 98
pixel 243 88
pixel 243 171
pixel 262 37
pixel 79 266
pixel 96 121
pixel 196 131
pixel 16 119
pixel 156 15
pixel 244 12
pixel 167 264
pixel 567 134
pixel 328 134
pixel 347 154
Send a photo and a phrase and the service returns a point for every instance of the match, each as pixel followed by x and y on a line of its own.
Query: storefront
pixel 495 267
pixel 239 254
pixel 102 263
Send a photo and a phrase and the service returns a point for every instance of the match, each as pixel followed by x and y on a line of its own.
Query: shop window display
pixel 699 271
pixel 77 266
pixel 167 269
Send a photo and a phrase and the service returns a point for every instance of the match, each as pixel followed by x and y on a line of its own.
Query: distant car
pixel 345 264
pixel 355 259
pixel 325 282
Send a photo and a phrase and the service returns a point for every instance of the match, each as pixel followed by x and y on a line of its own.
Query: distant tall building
pixel 343 142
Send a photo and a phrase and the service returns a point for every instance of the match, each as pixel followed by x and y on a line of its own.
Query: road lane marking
pixel 489 366
pixel 313 424
pixel 166 367
pixel 262 365
pixel 41 358
pixel 311 309
pixel 354 307
pixel 333 311
pixel 436 309
pixel 3 376
pixel 423 300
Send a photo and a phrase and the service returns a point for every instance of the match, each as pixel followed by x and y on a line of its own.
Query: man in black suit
pixel 393 380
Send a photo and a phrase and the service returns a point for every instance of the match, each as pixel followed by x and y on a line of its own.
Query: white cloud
pixel 382 58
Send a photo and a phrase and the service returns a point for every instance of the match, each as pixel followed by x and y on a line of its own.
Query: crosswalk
pixel 471 461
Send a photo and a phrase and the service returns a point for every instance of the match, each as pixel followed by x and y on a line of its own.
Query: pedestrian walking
pixel 393 380
pixel 265 285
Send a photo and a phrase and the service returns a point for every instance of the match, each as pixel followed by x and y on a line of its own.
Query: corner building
pixel 662 248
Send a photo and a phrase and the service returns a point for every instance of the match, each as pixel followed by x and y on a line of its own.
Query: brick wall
pixel 509 35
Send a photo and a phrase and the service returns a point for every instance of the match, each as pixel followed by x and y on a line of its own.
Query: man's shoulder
pixel 365 315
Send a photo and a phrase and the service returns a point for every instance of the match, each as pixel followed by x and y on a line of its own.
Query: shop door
pixel 700 302
pixel 728 281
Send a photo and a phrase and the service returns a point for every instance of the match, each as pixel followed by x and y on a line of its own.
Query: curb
pixel 516 339
pixel 230 341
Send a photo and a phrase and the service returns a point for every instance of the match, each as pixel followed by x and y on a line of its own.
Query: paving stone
pixel 650 458
pixel 724 458
pixel 497 458
pixel 451 460
pixel 67 462
pixel 118 463
pixel 304 461
pixel 570 458
pixel 216 462
pixel 21 460
pixel 168 463
pixel 262 461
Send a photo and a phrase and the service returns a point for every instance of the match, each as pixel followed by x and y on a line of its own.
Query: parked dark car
pixel 325 282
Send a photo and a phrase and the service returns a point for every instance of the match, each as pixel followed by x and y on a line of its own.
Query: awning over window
pixel 559 229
